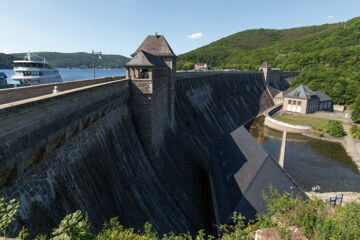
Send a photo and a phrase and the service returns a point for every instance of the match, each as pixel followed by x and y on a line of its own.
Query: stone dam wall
pixel 80 149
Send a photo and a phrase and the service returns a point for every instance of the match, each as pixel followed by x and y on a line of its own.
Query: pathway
pixel 351 145
pixel 348 196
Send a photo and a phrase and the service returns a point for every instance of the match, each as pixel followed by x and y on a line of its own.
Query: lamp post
pixel 93 59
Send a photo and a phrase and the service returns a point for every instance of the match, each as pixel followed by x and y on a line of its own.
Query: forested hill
pixel 6 61
pixel 79 59
pixel 328 55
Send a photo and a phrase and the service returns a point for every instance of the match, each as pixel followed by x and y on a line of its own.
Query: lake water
pixel 76 74
pixel 310 161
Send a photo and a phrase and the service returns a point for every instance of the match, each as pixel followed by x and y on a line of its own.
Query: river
pixel 76 74
pixel 310 161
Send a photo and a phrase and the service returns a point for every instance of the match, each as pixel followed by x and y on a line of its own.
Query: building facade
pixel 303 100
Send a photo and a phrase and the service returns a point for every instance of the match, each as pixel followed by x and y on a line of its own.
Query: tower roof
pixel 145 59
pixel 264 65
pixel 302 92
pixel 156 45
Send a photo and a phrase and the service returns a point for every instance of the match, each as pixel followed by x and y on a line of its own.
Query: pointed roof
pixel 145 59
pixel 265 65
pixel 156 45
pixel 302 92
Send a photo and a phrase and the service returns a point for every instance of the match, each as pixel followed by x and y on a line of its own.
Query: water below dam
pixel 310 161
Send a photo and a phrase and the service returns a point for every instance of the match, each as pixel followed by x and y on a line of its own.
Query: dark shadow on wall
pixel 226 161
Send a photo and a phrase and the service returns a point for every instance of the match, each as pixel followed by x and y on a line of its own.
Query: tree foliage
pixel 355 111
pixel 7 213
pixel 73 226
pixel 327 55
pixel 335 128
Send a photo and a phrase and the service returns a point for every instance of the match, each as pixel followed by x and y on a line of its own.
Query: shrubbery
pixel 315 219
pixel 355 131
pixel 335 128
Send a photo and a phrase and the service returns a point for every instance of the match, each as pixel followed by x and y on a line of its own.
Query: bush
pixel 7 213
pixel 355 111
pixel 335 128
pixel 353 129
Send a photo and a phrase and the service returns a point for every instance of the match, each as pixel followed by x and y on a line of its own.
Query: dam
pixel 135 146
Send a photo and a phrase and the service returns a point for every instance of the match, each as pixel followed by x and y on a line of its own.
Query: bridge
pixel 126 146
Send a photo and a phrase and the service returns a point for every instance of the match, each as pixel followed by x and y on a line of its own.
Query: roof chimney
pixel 156 34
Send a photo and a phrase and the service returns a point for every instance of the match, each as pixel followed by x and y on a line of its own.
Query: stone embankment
pixel 281 126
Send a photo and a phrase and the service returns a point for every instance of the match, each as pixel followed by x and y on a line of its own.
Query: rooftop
pixel 302 92
pixel 322 96
pixel 145 59
pixel 265 65
pixel 156 45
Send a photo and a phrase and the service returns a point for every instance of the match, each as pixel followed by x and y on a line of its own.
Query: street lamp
pixel 93 59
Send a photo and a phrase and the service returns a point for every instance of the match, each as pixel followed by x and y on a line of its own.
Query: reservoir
pixel 310 161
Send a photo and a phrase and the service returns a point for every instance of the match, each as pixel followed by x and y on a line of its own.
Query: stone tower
pixel 152 74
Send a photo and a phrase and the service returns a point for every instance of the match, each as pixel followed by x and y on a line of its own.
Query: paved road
pixel 330 116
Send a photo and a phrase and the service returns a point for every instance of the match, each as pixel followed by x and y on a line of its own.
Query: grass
pixel 318 123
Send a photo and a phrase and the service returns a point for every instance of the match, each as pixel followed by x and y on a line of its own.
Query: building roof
pixel 145 59
pixel 322 96
pixel 264 65
pixel 302 92
pixel 241 170
pixel 156 45
pixel 201 64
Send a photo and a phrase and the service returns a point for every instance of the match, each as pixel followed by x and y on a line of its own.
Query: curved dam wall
pixel 81 149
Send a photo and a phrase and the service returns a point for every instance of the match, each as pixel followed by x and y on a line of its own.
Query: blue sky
pixel 118 27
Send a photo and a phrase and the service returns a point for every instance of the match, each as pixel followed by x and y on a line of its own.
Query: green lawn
pixel 303 120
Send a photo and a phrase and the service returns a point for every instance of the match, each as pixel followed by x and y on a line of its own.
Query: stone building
pixel 152 74
pixel 303 100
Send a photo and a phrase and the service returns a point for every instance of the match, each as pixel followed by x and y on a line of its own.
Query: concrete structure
pixel 276 78
pixel 282 126
pixel 303 100
pixel 201 66
pixel 241 172
pixel 339 108
pixel 127 147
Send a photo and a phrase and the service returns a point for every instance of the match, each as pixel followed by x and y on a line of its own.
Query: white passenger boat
pixel 35 70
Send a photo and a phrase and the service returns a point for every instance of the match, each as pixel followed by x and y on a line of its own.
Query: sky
pixel 119 27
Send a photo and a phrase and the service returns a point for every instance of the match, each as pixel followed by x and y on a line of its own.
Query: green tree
pixel 73 227
pixel 355 111
pixel 7 213
pixel 335 128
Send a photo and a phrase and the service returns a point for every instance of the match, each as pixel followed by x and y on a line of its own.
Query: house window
pixel 299 103
pixel 294 102
pixel 289 102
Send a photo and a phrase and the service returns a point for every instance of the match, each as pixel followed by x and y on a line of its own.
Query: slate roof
pixel 156 45
pixel 322 96
pixel 145 59
pixel 241 170
pixel 301 92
